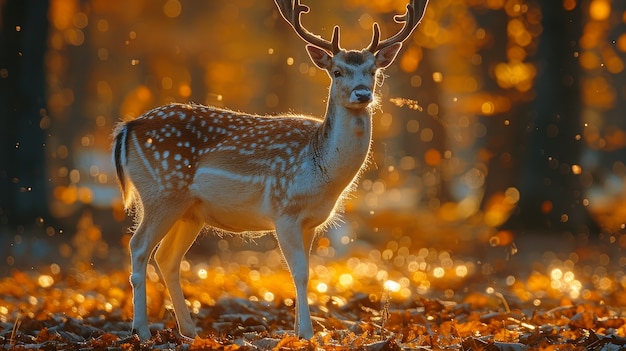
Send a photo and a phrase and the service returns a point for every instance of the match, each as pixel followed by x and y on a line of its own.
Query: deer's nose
pixel 364 96
pixel 361 94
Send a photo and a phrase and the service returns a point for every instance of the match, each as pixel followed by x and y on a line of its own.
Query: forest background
pixel 499 129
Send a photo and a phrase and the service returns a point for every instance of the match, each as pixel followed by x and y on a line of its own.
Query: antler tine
pixel 292 10
pixel 411 18
pixel 375 38
pixel 335 41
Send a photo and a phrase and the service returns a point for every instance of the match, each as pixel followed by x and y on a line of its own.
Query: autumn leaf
pixel 201 344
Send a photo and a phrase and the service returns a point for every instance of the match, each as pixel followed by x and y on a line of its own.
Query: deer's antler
pixel 291 10
pixel 411 18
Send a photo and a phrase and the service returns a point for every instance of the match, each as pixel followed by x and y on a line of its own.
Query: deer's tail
pixel 120 144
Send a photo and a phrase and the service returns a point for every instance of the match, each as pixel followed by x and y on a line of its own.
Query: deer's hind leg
pixel 168 257
pixel 156 220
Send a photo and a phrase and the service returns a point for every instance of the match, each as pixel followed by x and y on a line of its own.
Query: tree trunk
pixel 551 191
pixel 23 39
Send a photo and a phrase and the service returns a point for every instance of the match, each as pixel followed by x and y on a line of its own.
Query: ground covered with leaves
pixel 241 324
pixel 483 291
pixel 78 315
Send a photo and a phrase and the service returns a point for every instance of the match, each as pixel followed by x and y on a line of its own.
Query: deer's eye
pixel 337 73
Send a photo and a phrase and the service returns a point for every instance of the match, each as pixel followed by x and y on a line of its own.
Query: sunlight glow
pixel 461 271
pixel 346 280
pixel 268 296
pixel 439 272
pixel 556 274
pixel 45 281
pixel 392 286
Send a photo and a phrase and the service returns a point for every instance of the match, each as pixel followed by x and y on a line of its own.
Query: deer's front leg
pixel 295 245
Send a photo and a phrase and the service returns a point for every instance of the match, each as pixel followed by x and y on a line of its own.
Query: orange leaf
pixel 200 344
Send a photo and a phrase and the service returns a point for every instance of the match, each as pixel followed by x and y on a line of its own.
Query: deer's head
pixel 354 73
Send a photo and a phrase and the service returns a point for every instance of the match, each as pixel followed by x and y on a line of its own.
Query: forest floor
pixel 461 287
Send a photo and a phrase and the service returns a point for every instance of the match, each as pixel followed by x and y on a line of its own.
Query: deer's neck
pixel 341 144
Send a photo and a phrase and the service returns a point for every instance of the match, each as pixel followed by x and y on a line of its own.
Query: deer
pixel 185 167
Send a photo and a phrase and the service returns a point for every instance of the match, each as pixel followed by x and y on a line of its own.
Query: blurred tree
pixel 602 59
pixel 23 34
pixel 551 191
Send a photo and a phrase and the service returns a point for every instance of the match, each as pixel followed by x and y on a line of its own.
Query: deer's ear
pixel 320 57
pixel 385 56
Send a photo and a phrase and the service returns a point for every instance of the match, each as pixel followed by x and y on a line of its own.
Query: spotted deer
pixel 182 167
